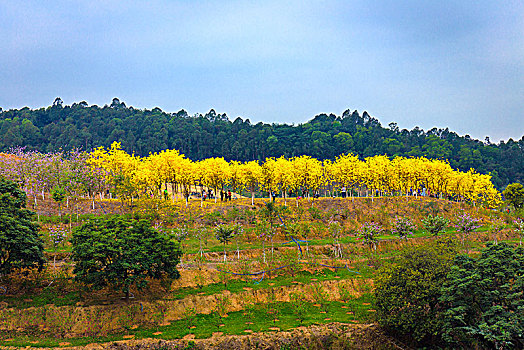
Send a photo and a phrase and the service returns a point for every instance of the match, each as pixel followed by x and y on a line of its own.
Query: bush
pixel 407 292
pixel 430 298
pixel 121 253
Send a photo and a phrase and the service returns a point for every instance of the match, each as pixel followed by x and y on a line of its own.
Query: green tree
pixel 435 224
pixel 514 194
pixel 407 292
pixel 20 243
pixel 58 194
pixel 224 234
pixel 122 253
pixel 485 302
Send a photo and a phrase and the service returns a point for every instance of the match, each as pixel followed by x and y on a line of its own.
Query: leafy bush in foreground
pixel 407 292
pixel 431 298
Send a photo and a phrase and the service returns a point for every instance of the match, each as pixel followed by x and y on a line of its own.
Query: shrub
pixel 402 227
pixel 407 292
pixel 369 232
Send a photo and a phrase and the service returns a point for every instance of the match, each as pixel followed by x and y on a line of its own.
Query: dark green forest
pixel 214 135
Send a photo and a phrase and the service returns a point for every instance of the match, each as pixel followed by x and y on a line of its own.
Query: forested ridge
pixel 214 135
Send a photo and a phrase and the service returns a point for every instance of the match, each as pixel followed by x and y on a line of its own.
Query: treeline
pixel 214 135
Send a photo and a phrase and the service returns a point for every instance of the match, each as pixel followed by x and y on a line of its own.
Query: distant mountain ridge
pixel 213 135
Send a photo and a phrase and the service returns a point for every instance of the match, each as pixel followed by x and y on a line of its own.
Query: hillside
pixel 215 135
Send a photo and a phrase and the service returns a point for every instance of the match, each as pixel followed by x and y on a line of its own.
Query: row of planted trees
pixel 129 176
pixel 40 174
pixel 298 176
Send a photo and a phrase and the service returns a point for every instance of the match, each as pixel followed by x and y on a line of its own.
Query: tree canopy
pixel 20 243
pixel 514 193
pixel 122 253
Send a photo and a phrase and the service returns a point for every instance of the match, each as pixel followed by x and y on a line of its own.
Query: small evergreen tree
pixel 485 301
pixel 224 234
pixel 514 194
pixel 122 253
pixel 20 243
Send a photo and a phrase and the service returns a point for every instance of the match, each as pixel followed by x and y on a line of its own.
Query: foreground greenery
pixel 432 296
pixel 406 246
pixel 123 254
pixel 20 243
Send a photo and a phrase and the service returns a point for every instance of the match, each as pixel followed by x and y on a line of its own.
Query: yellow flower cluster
pixel 304 174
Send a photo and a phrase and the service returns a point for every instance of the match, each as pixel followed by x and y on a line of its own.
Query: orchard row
pixel 129 176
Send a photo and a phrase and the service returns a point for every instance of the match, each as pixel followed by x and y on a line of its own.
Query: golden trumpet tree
pixel 215 173
pixel 270 177
pixel 348 171
pixel 378 174
pixel 251 174
pixel 120 169
pixel 309 173
pixel 286 176
pixel 131 176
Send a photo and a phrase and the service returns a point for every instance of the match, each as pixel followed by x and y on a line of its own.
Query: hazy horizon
pixel 449 64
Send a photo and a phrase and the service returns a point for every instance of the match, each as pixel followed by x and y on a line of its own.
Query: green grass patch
pixel 257 318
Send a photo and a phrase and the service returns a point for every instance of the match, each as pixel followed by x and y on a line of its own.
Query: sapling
pixel 223 234
pixel 496 226
pixel 435 224
pixel 57 235
pixel 305 230
pixel 335 229
pixel 238 230
pixel 190 317
pixel 299 305
pixel 58 194
pixel 199 234
pixel 403 227
pixel 180 234
pixel 369 232
pixel 261 229
pixel 221 306
pixel 465 225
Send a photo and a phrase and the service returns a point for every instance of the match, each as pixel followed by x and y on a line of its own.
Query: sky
pixel 455 64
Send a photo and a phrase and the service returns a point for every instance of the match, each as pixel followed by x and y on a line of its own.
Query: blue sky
pixel 456 64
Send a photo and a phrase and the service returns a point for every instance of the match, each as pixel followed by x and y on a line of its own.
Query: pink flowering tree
pixel 403 228
pixel 369 233
pixel 465 225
